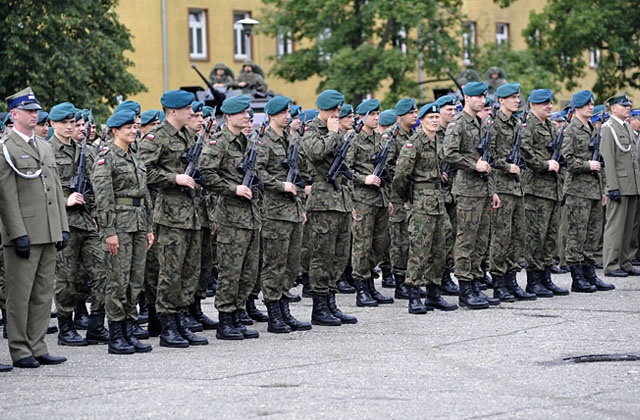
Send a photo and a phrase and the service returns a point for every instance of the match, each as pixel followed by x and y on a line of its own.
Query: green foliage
pixel 66 51
pixel 356 45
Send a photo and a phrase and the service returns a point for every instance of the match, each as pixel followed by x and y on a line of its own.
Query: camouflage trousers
pixel 427 250
pixel 472 237
pixel 507 235
pixel 370 238
pixel 305 251
pixel 450 227
pixel 330 242
pixel 563 231
pixel 399 233
pixel 151 272
pixel 280 243
pixel 206 263
pixel 542 220
pixel 126 276
pixel 237 266
pixel 179 268
pixel 82 257
pixel 584 219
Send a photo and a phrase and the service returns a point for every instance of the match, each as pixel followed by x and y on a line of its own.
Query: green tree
pixel 355 46
pixel 66 51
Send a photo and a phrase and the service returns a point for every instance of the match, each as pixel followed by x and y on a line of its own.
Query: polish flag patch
pixel 101 162
pixel 212 142
pixel 150 137
pixel 409 145
pixel 451 124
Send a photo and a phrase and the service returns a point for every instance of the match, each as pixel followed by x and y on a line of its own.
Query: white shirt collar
pixel 22 135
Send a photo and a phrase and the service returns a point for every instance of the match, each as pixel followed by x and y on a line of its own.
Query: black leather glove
pixel 615 195
pixel 22 246
pixel 63 243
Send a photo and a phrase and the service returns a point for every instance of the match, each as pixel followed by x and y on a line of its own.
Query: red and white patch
pixel 105 148
pixel 150 137
pixel 101 162
pixel 409 145
pixel 212 142
pixel 451 124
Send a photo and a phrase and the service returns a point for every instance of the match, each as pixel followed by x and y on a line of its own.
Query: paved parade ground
pixel 500 363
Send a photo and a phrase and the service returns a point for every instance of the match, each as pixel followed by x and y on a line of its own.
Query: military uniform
pixel 253 81
pixel 450 225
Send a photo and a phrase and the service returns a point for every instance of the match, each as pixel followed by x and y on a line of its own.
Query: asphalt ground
pixel 501 363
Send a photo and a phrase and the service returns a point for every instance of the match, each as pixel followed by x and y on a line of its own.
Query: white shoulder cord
pixel 615 138
pixel 7 157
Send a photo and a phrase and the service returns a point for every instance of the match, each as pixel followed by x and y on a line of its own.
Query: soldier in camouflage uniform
pixel 237 218
pixel 177 219
pixel 543 193
pixel 124 217
pixel 584 191
pixel 249 79
pixel 474 190
pixel 84 253
pixel 281 235
pixel 420 165
pixel 329 211
pixel 371 203
pixel 507 222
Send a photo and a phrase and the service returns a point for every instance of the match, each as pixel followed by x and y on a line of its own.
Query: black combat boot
pixel 320 315
pixel 143 312
pixel 129 335
pixel 545 279
pixel 169 337
pixel 191 323
pixel 435 300
pixel 200 317
pixel 236 316
pixel 139 332
pixel 4 324
pixel 416 306
pixel 306 286
pixel 535 286
pixel 388 281
pixel 469 298
pixel 333 308
pixel 345 280
pixel 68 336
pixel 97 333
pixel 476 289
pixel 185 332
pixel 379 297
pixel 244 318
pixel 363 297
pixel 117 343
pixel 226 330
pixel 291 297
pixel 290 320
pixel 212 286
pixel 81 316
pixel 578 282
pixel 511 283
pixel 153 326
pixel 402 291
pixel 276 324
pixel 589 271
pixel 447 285
pixel 500 290
pixel 253 311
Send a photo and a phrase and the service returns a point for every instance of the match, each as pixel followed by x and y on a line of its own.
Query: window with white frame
pixel 502 33
pixel 285 44
pixel 401 40
pixel 198 34
pixel 468 42
pixel 242 41
pixel 594 58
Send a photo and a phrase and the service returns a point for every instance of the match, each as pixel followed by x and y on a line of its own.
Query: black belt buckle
pixel 136 202
pixel 438 186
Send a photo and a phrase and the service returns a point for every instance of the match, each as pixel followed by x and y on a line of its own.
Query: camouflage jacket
pixel 537 179
pixel 278 205
pixel 161 152
pixel 398 145
pixel 67 156
pixel 461 151
pixel 503 135
pixel 362 149
pixel 419 161
pixel 253 81
pixel 317 148
pixel 219 165
pixel 446 187
pixel 575 149
pixel 122 199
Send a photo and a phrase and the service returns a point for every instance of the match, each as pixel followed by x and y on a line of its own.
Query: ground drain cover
pixel 591 358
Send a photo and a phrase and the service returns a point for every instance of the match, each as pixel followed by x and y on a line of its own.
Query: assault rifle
pixel 290 163
pixel 448 169
pixel 452 77
pixel 515 157
pixel 80 182
pixel 380 158
pixel 340 153
pixel 191 156
pixel 484 147
pixel 555 145
pixel 248 164
pixel 594 146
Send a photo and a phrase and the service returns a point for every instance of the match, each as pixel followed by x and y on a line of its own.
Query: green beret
pixel 87 116
pixel 447 100
pixel 488 100
pixel 2 126
pixel 598 109
pixel 277 104
pixel 432 108
pixel 403 106
pixel 196 106
pixel 557 117
pixel 369 105
pixel 347 110
pixel 582 98
pixel 122 117
pixel 508 89
pixel 79 115
pixel 251 113
pixel 475 89
pixel 42 116
pixel 388 117
pixel 330 99
pixel 177 99
pixel 128 104
pixel 308 115
pixel 7 119
pixel 161 116
pixel 207 111
pixel 540 96
pixel 50 132
pixel 149 116
pixel 235 104
pixel 62 111
pixel 620 99
pixel 295 110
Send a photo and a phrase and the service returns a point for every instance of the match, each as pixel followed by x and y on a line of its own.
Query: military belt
pixel 129 201
pixel 428 186
pixel 341 179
